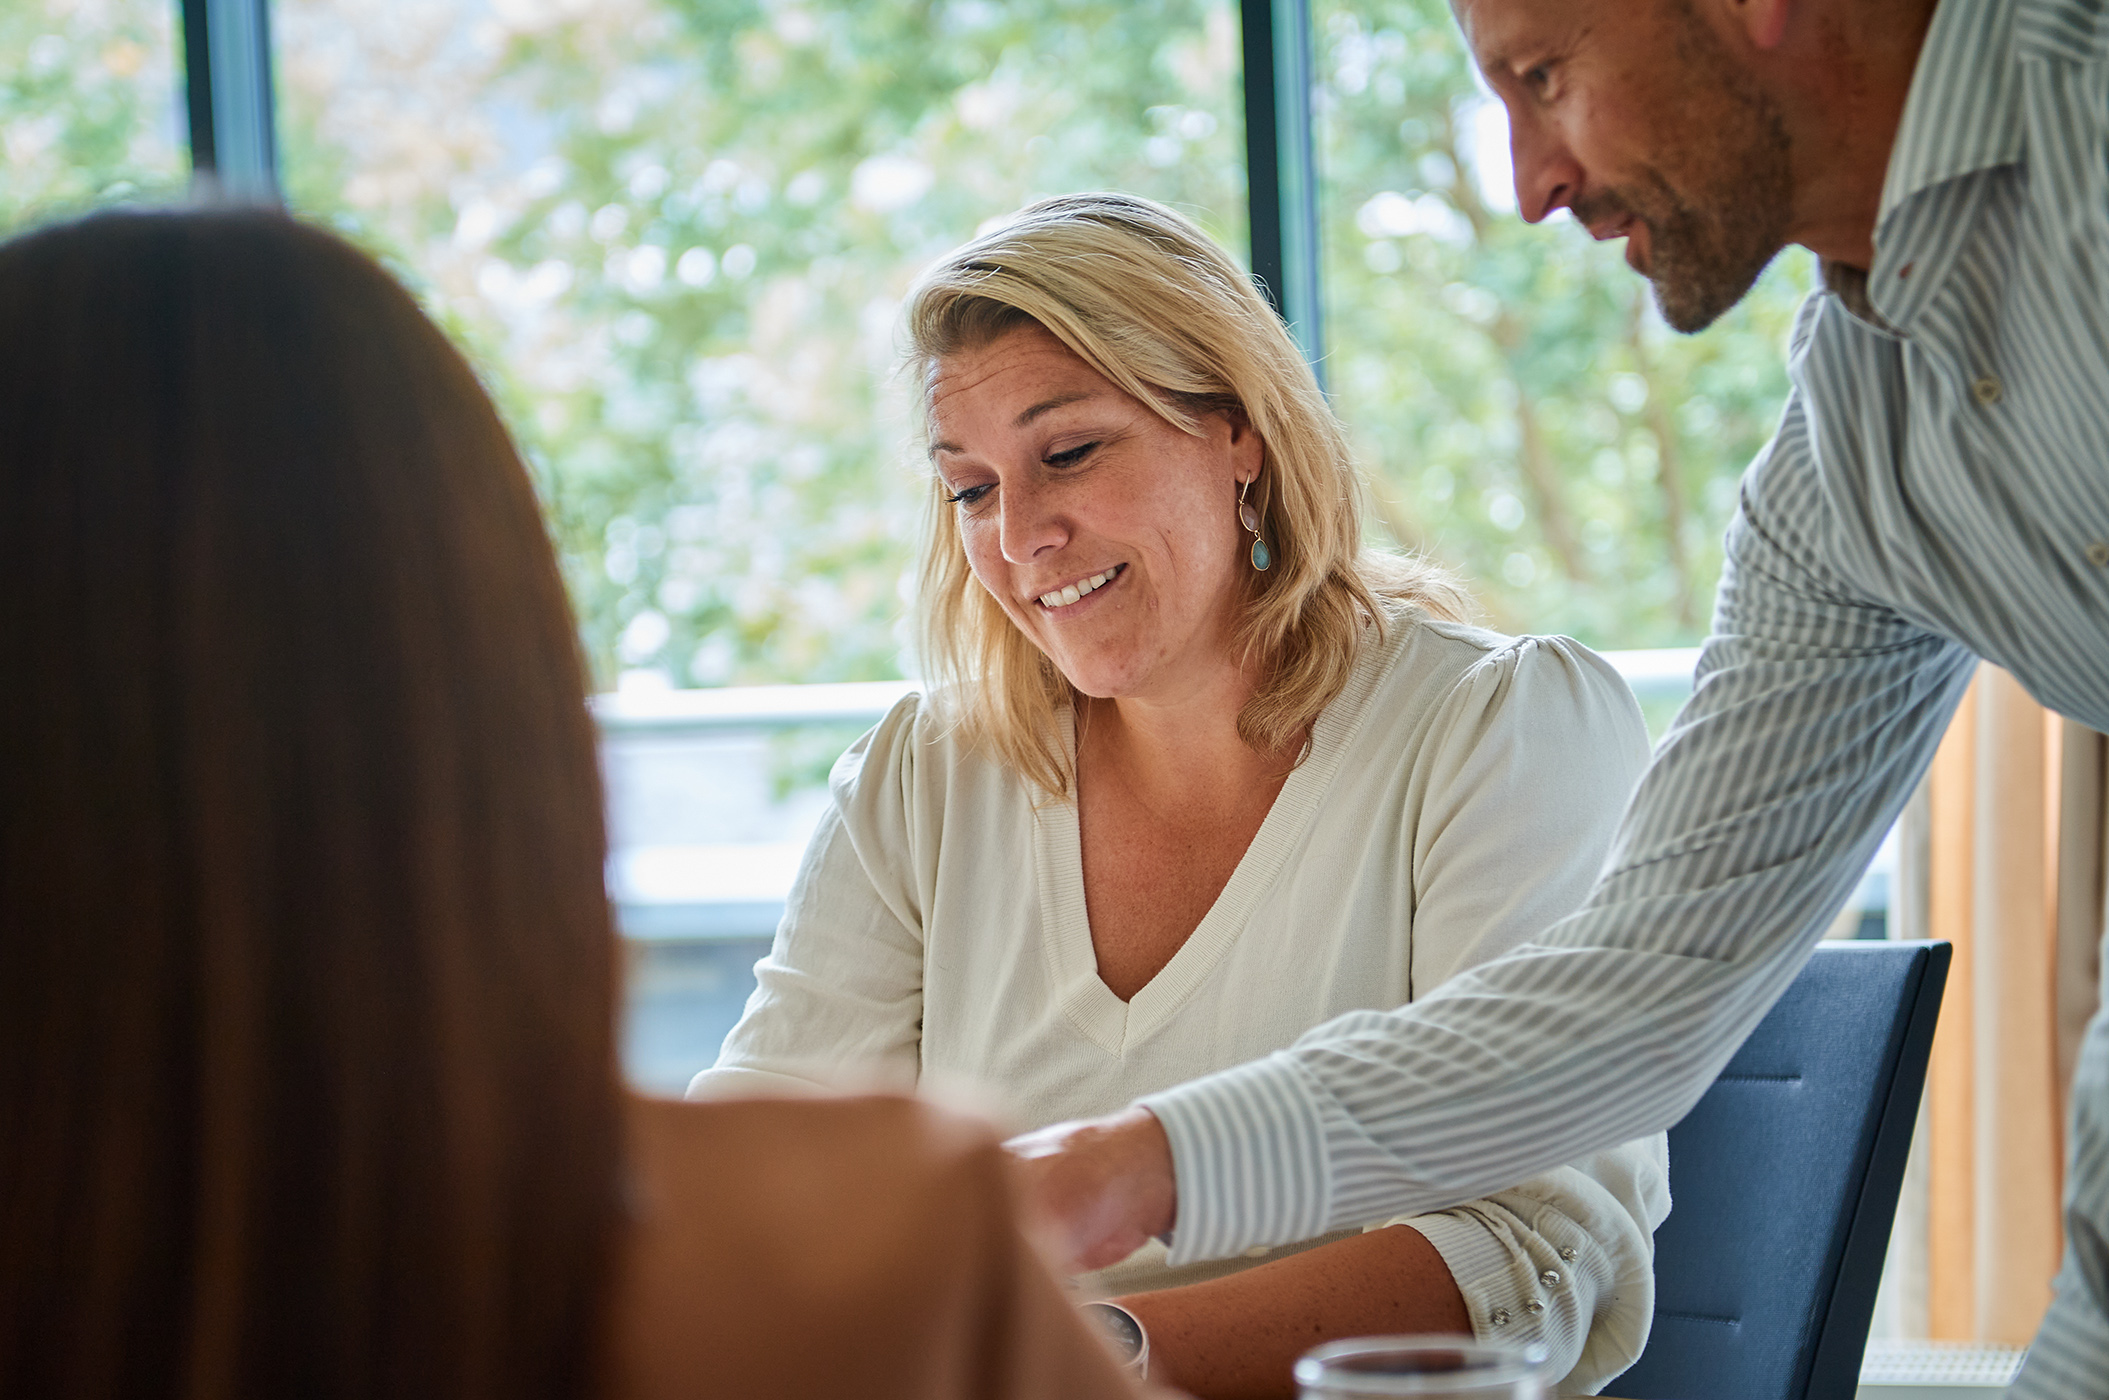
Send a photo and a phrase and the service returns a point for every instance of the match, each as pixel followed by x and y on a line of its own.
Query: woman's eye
pixel 968 496
pixel 1070 457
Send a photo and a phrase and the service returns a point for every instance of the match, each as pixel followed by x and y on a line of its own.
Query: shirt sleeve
pixel 838 1001
pixel 1813 714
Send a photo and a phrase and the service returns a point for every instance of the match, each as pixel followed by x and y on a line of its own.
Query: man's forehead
pixel 1480 21
pixel 1494 28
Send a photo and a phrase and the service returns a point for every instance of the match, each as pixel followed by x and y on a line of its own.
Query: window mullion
pixel 227 72
pixel 1281 165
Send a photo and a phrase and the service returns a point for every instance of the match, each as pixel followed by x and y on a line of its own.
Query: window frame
pixel 231 103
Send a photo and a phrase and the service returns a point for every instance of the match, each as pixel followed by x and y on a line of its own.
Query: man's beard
pixel 1714 229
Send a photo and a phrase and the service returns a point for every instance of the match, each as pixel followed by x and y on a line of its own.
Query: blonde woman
pixel 1195 773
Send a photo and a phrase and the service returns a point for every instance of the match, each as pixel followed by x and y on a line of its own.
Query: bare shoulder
pixel 842 1165
pixel 814 1247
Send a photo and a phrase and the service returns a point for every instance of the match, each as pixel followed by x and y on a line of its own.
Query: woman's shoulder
pixel 768 1235
pixel 920 731
pixel 864 1156
pixel 810 1247
pixel 1440 661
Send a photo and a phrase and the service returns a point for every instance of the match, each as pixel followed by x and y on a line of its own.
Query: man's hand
pixel 1104 1184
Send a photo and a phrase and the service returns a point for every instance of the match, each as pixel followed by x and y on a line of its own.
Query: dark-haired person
pixel 1938 492
pixel 308 1078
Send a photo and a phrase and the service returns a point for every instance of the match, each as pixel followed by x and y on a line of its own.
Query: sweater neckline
pixel 1117 1026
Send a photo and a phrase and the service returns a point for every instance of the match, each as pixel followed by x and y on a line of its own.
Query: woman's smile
pixel 1065 599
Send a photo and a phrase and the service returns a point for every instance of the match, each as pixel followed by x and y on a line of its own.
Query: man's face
pixel 1637 116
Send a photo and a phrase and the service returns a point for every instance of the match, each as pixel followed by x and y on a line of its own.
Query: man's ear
pixel 1763 21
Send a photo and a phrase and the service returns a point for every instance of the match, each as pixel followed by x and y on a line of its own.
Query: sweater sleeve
pixel 1527 767
pixel 1566 1260
pixel 1531 762
pixel 838 1001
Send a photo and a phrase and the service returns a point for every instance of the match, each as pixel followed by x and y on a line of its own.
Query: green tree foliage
pixel 88 115
pixel 1525 414
pixel 678 234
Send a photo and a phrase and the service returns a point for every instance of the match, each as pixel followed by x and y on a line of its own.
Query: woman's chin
pixel 1098 682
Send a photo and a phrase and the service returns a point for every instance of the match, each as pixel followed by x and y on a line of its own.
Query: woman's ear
pixel 1247 453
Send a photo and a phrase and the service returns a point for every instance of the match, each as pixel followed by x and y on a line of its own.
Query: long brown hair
pixel 307 985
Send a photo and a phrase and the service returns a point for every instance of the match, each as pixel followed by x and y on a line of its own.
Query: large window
pixel 677 233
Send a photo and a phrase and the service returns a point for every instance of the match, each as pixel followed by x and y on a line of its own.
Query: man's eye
pixel 1537 78
pixel 968 496
pixel 1069 458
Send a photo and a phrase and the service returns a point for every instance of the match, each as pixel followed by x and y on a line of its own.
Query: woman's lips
pixel 1070 594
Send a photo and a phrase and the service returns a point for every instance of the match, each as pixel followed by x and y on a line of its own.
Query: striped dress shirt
pixel 1938 491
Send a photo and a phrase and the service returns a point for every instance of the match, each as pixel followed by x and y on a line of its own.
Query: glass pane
pixel 675 234
pixel 1528 417
pixel 89 105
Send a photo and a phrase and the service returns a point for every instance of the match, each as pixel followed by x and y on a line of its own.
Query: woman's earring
pixel 1262 557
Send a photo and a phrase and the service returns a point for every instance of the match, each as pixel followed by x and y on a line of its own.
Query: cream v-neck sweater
pixel 1458 797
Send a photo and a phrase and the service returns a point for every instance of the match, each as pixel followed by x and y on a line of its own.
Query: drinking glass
pixel 1427 1368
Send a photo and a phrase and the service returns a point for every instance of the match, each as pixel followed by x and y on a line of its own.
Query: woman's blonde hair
pixel 1149 301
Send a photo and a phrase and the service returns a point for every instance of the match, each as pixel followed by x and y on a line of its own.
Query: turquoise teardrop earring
pixel 1262 557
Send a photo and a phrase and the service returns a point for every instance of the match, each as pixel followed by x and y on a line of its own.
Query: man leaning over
pixel 1938 492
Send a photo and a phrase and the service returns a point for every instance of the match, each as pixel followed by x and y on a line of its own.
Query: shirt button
pixel 1567 1251
pixel 1987 389
pixel 1534 1307
pixel 1550 1278
pixel 2098 554
pixel 1500 1317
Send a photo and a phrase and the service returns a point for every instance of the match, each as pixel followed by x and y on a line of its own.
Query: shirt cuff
pixel 1248 1158
pixel 1503 1306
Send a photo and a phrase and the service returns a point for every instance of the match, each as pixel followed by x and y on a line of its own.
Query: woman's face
pixel 1109 536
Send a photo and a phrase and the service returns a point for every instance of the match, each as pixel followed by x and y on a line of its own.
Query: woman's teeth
pixel 1063 597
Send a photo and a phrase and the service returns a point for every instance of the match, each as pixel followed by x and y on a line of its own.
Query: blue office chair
pixel 1784 1182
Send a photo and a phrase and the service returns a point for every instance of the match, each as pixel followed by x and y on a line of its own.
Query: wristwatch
pixel 1125 1331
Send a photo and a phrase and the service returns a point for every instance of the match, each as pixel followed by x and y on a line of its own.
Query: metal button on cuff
pixel 1550 1278
pixel 1988 390
pixel 1499 1317
pixel 1534 1307
pixel 1566 1251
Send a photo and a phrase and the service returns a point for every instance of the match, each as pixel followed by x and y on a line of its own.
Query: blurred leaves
pixel 1527 416
pixel 677 233
pixel 88 115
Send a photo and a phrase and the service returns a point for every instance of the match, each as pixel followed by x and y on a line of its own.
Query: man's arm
pixel 1814 714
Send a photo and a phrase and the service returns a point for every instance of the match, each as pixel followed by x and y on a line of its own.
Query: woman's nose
pixel 1029 527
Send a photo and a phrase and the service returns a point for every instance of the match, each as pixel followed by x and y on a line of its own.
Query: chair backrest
pixel 1784 1181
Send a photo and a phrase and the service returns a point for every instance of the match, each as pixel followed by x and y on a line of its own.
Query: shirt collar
pixel 1963 113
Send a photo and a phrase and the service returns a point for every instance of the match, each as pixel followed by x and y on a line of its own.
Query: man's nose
pixel 1547 175
pixel 1029 527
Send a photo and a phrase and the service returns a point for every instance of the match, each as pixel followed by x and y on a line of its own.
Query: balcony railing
pixel 709 815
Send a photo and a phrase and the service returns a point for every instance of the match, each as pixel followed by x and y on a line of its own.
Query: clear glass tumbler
pixel 1428 1368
